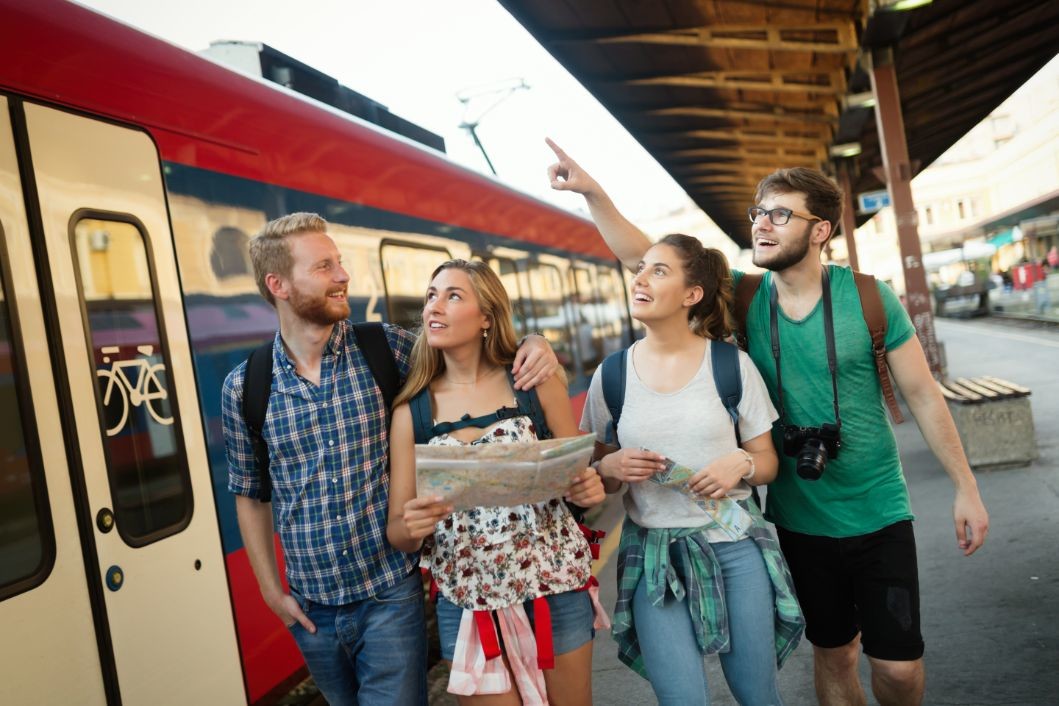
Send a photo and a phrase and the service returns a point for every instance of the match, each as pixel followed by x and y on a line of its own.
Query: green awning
pixel 1004 237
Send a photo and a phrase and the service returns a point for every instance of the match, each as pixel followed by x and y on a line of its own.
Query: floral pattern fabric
pixel 488 558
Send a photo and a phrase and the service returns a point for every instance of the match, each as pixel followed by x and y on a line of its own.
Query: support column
pixel 898 171
pixel 849 221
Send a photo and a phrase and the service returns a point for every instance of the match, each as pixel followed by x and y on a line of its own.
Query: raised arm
pixel 920 390
pixel 624 239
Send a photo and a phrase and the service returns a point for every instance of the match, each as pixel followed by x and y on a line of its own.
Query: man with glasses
pixel 847 533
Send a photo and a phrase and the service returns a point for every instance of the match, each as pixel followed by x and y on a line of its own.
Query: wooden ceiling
pixel 723 92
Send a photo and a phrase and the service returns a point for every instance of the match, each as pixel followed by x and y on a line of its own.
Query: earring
pixel 485 333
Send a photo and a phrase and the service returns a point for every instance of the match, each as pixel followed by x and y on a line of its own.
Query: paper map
pixel 726 513
pixel 490 475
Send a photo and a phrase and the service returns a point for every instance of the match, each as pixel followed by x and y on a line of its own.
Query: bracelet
pixel 749 459
pixel 531 333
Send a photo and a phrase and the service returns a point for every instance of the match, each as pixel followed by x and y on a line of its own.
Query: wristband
pixel 531 333
pixel 749 459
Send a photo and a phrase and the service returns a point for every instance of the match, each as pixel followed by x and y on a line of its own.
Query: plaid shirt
pixel 682 561
pixel 328 446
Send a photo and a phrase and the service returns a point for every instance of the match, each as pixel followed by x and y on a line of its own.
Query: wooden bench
pixel 994 420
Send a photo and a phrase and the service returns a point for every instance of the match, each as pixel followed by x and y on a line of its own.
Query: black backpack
pixel 725 359
pixel 257 387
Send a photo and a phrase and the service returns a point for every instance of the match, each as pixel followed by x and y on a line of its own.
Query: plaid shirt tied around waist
pixel 682 561
pixel 329 447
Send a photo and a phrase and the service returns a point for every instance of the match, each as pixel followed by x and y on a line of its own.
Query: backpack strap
pixel 257 387
pixel 725 362
pixel 871 307
pixel 422 417
pixel 371 338
pixel 529 404
pixel 613 380
pixel 744 294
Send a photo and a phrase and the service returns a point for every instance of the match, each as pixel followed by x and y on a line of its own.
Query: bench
pixel 994 420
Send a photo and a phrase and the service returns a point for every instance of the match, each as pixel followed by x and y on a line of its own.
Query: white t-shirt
pixel 690 426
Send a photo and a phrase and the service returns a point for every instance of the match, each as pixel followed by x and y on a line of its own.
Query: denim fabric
pixel 370 652
pixel 572 618
pixel 670 652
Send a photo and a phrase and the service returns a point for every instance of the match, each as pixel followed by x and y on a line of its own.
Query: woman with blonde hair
pixel 519 567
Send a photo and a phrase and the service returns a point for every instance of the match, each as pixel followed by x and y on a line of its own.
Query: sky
pixel 415 56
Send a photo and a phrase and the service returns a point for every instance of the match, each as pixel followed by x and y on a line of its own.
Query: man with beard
pixel 847 535
pixel 355 606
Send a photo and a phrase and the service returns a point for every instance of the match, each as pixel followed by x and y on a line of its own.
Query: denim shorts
pixel 572 618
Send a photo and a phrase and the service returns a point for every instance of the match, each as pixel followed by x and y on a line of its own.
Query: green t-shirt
pixel 862 490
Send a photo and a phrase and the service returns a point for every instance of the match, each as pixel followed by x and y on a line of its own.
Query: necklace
pixel 471 382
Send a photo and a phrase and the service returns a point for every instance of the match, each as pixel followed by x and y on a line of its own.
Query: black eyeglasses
pixel 778 216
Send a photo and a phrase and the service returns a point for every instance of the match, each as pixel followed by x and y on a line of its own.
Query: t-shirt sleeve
pixel 756 413
pixel 596 417
pixel 401 343
pixel 899 327
pixel 736 276
pixel 242 472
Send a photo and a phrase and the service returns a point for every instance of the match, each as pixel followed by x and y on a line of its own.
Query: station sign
pixel 872 201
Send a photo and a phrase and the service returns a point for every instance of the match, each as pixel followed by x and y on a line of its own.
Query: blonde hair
pixel 270 249
pixel 498 348
pixel 706 267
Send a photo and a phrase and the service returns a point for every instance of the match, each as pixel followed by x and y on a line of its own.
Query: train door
pixel 48 648
pixel 163 616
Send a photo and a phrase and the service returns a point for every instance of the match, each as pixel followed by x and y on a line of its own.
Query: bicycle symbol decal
pixel 143 387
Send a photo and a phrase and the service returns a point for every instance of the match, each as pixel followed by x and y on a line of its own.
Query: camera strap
pixel 829 337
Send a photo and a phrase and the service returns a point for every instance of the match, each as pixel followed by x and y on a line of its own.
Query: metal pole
pixel 470 127
pixel 898 171
pixel 849 221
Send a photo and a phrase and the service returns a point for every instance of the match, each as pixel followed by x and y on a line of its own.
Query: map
pixel 504 475
pixel 726 513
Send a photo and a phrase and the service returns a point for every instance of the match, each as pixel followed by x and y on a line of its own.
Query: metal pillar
pixel 898 180
pixel 849 222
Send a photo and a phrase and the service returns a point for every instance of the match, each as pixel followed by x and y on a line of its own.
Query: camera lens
pixel 811 460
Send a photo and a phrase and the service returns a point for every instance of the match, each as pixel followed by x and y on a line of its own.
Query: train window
pixel 146 463
pixel 552 312
pixel 587 321
pixel 27 543
pixel 612 309
pixel 406 272
pixel 509 276
pixel 230 254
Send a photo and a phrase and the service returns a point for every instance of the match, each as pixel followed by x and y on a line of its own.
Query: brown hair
pixel 823 198
pixel 270 250
pixel 708 268
pixel 498 348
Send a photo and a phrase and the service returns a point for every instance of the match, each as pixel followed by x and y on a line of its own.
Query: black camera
pixel 812 446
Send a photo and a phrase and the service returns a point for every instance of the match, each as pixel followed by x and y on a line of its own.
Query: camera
pixel 812 446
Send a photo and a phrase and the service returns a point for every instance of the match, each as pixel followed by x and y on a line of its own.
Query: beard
pixel 318 309
pixel 787 256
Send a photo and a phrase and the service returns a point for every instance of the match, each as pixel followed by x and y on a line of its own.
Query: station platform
pixel 988 619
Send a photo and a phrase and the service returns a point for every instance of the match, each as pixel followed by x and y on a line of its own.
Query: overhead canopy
pixel 723 92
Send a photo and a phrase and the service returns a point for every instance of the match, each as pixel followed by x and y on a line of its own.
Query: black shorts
pixel 867 584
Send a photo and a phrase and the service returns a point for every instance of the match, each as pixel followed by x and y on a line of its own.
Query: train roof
pixel 204 115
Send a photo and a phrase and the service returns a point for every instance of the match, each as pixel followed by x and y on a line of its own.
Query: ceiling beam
pixel 836 37
pixel 774 114
pixel 781 154
pixel 805 137
pixel 829 82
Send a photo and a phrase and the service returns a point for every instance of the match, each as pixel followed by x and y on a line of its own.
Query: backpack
pixel 871 308
pixel 257 387
pixel 725 362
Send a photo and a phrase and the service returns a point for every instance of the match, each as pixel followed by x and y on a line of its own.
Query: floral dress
pixel 488 558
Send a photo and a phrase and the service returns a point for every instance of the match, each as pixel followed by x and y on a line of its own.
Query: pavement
pixel 990 620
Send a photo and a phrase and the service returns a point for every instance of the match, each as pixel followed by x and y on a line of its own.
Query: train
pixel 132 175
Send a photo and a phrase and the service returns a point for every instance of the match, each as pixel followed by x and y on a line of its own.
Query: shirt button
pixel 334 480
pixel 338 518
pixel 325 404
pixel 331 442
pixel 345 552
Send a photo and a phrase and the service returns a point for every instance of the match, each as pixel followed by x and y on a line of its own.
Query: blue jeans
pixel 372 651
pixel 667 640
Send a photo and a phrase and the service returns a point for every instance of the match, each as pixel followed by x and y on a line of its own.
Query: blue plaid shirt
pixel 328 446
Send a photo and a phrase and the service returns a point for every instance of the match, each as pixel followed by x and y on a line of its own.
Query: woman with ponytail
pixel 699 572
